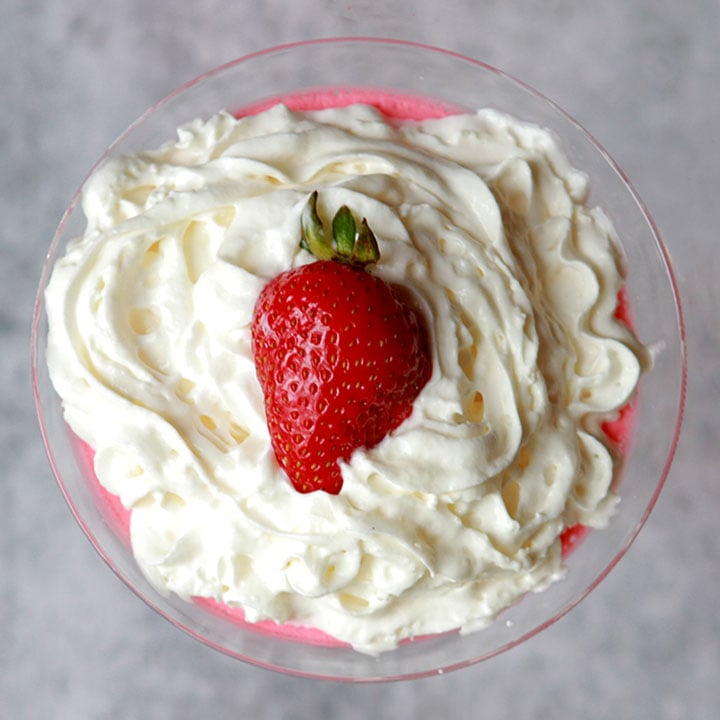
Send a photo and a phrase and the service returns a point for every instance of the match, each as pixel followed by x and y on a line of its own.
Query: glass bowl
pixel 444 79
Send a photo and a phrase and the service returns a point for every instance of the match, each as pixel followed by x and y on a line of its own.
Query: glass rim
pixel 38 314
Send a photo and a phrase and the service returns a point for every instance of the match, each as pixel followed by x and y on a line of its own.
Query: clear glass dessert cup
pixel 445 79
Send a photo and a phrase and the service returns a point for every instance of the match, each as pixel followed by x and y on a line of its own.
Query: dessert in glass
pixel 365 361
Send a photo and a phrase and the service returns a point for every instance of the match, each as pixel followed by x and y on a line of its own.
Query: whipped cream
pixel 458 512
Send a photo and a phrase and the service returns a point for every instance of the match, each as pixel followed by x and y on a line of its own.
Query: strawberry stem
pixel 343 227
pixel 349 244
pixel 366 249
pixel 312 231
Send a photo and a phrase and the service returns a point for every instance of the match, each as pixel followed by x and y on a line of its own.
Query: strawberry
pixel 340 354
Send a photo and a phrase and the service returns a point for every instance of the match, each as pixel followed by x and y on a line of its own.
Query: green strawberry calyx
pixel 349 243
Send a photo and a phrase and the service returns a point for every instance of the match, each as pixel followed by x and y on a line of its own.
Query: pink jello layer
pixel 395 107
pixel 392 106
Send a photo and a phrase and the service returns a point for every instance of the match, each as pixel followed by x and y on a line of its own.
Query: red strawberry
pixel 341 355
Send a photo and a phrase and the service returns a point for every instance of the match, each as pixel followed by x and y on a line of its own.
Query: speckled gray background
pixel 643 76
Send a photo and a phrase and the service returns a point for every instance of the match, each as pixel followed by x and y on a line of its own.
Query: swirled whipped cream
pixel 458 512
